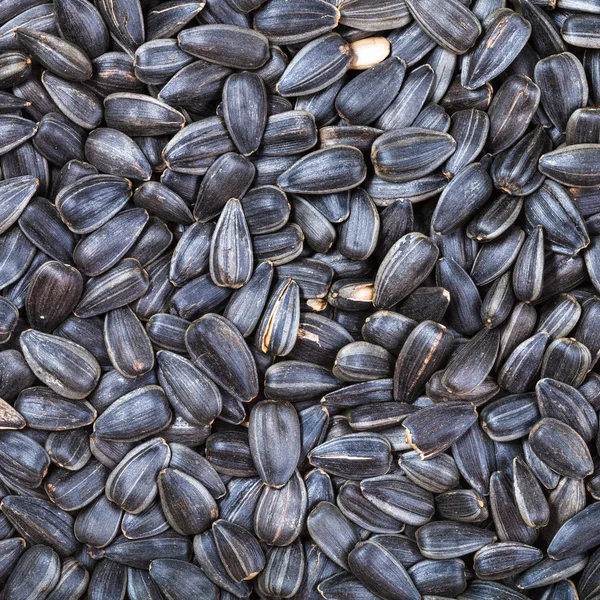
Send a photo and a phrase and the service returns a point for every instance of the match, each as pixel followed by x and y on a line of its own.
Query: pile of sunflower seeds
pixel 299 299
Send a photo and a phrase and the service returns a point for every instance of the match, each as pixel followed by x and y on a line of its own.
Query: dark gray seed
pixel 437 474
pixel 75 100
pixel 108 453
pixel 40 522
pixel 318 232
pixel 586 332
pixel 223 355
pixel 15 194
pixel 509 525
pixel 314 422
pixel 39 17
pixel 545 37
pixel 240 502
pixel 408 103
pixel 462 197
pixel 563 86
pixel 230 259
pixel 529 266
pixel 44 409
pixel 159 291
pixel 266 209
pixel 571 165
pixel 459 98
pixel 21 585
pixel 358 234
pixel 166 21
pixel 330 170
pixel 187 505
pixel 368 15
pixel 332 532
pixel 274 436
pixel 55 54
pixel 496 257
pixel 121 285
pixel 194 149
pixel 66 367
pixel 199 296
pixel 399 498
pixel 388 330
pixel 125 22
pixel 582 127
pixel 322 104
pixel 41 223
pixel 81 24
pixel 515 171
pixel 114 72
pixel 505 34
pixel 190 256
pixel 581 31
pixel 384 193
pixel 26 160
pixel 229 176
pixel 396 220
pixel 280 513
pixel 411 43
pixel 405 266
pixel 425 348
pixel 577 534
pixel 140 553
pixel 464 309
pixel 443 63
pixel 548 478
pixel 58 139
pixel 561 448
pixel 11 549
pixel 312 275
pixel 510 418
pixel 283 571
pixel 363 361
pixel 319 488
pixel 380 569
pixel 504 559
pixel 132 484
pixel 229 453
pixel 371 392
pixel 215 44
pixel 319 64
pixel 434 429
pixel 297 380
pixel 190 462
pixel 127 342
pixel 340 585
pixel 245 127
pixel 521 369
pixel 388 414
pixel 15 130
pixel 588 581
pixel 69 449
pixel 351 295
pixel 73 581
pixel 475 458
pixel 194 84
pixel 182 580
pixel 72 490
pixel 205 551
pixel 304 21
pixel 98 524
pixel 239 550
pixel 511 111
pixel 552 207
pixel 405 154
pixel 567 360
pixel 108 580
pixel 137 114
pixel 455 28
pixel 559 316
pixel 156 61
pixel 480 590
pixel 498 302
pixel 189 391
pixel 564 402
pixel 472 363
pixel 466 506
pixel 113 152
pixel 53 293
pixel 549 571
pixel 495 219
pixel 92 201
pixel 103 248
pixel 23 458
pixel 445 539
pixel 353 456
pixel 135 416
pixel 368 95
pixel 529 496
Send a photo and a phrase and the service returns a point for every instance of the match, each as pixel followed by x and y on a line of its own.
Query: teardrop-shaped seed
pixel 218 349
pixel 572 165
pixel 329 170
pixel 40 522
pixel 444 539
pixel 132 484
pixel 64 366
pixel 81 24
pixel 231 258
pixel 15 194
pixel 245 127
pixel 21 583
pixel 15 131
pixel 504 559
pixel 63 58
pixel 319 64
pixel 239 550
pixel 140 553
pixel 121 285
pixel 505 34
pixel 181 579
pixel 53 293
pixel 561 448
pixel 405 154
pixel 529 496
